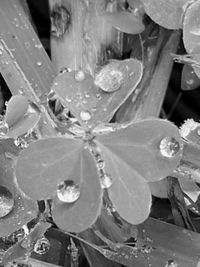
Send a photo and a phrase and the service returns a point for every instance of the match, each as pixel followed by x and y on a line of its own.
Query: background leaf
pixel 78 216
pixel 44 164
pixel 138 146
pixel 16 108
pixel 86 96
pixel 189 79
pixel 168 14
pixel 129 193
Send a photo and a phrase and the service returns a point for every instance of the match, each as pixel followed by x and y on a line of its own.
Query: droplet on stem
pixel 79 76
pixel 105 180
pixel 6 201
pixel 42 246
pixel 169 147
pixel 68 191
pixel 85 115
pixel 4 129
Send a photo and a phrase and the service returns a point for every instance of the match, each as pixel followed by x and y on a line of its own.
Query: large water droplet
pixel 85 115
pixel 169 147
pixel 4 129
pixel 79 76
pixel 198 131
pixel 109 79
pixel 171 263
pixel 105 180
pixel 6 201
pixel 42 246
pixel 68 191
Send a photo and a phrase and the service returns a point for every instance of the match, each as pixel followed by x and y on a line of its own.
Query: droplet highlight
pixel 79 76
pixel 68 191
pixel 169 147
pixel 85 115
pixel 42 246
pixel 4 129
pixel 6 201
pixel 106 181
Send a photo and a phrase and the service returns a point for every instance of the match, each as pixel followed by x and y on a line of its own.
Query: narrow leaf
pixel 129 193
pixel 78 216
pixel 124 21
pixel 139 146
pixel 44 164
pixel 86 96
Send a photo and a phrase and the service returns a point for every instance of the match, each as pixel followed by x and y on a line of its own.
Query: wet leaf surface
pixel 79 216
pixel 138 147
pixel 85 96
pixel 46 163
pixel 129 193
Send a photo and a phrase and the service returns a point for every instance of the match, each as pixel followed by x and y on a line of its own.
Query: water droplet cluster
pixel 105 178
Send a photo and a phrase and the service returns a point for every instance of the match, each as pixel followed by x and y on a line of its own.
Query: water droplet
pixel 42 246
pixel 105 180
pixel 4 129
pixel 85 115
pixel 169 147
pixel 79 76
pixel 6 201
pixel 171 263
pixel 39 63
pixel 109 79
pixel 100 164
pixel 68 191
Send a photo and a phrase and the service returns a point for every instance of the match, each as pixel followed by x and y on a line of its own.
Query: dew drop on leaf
pixel 6 201
pixel 109 79
pixel 79 76
pixel 4 129
pixel 169 147
pixel 42 246
pixel 106 181
pixel 68 191
pixel 85 115
pixel 39 63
